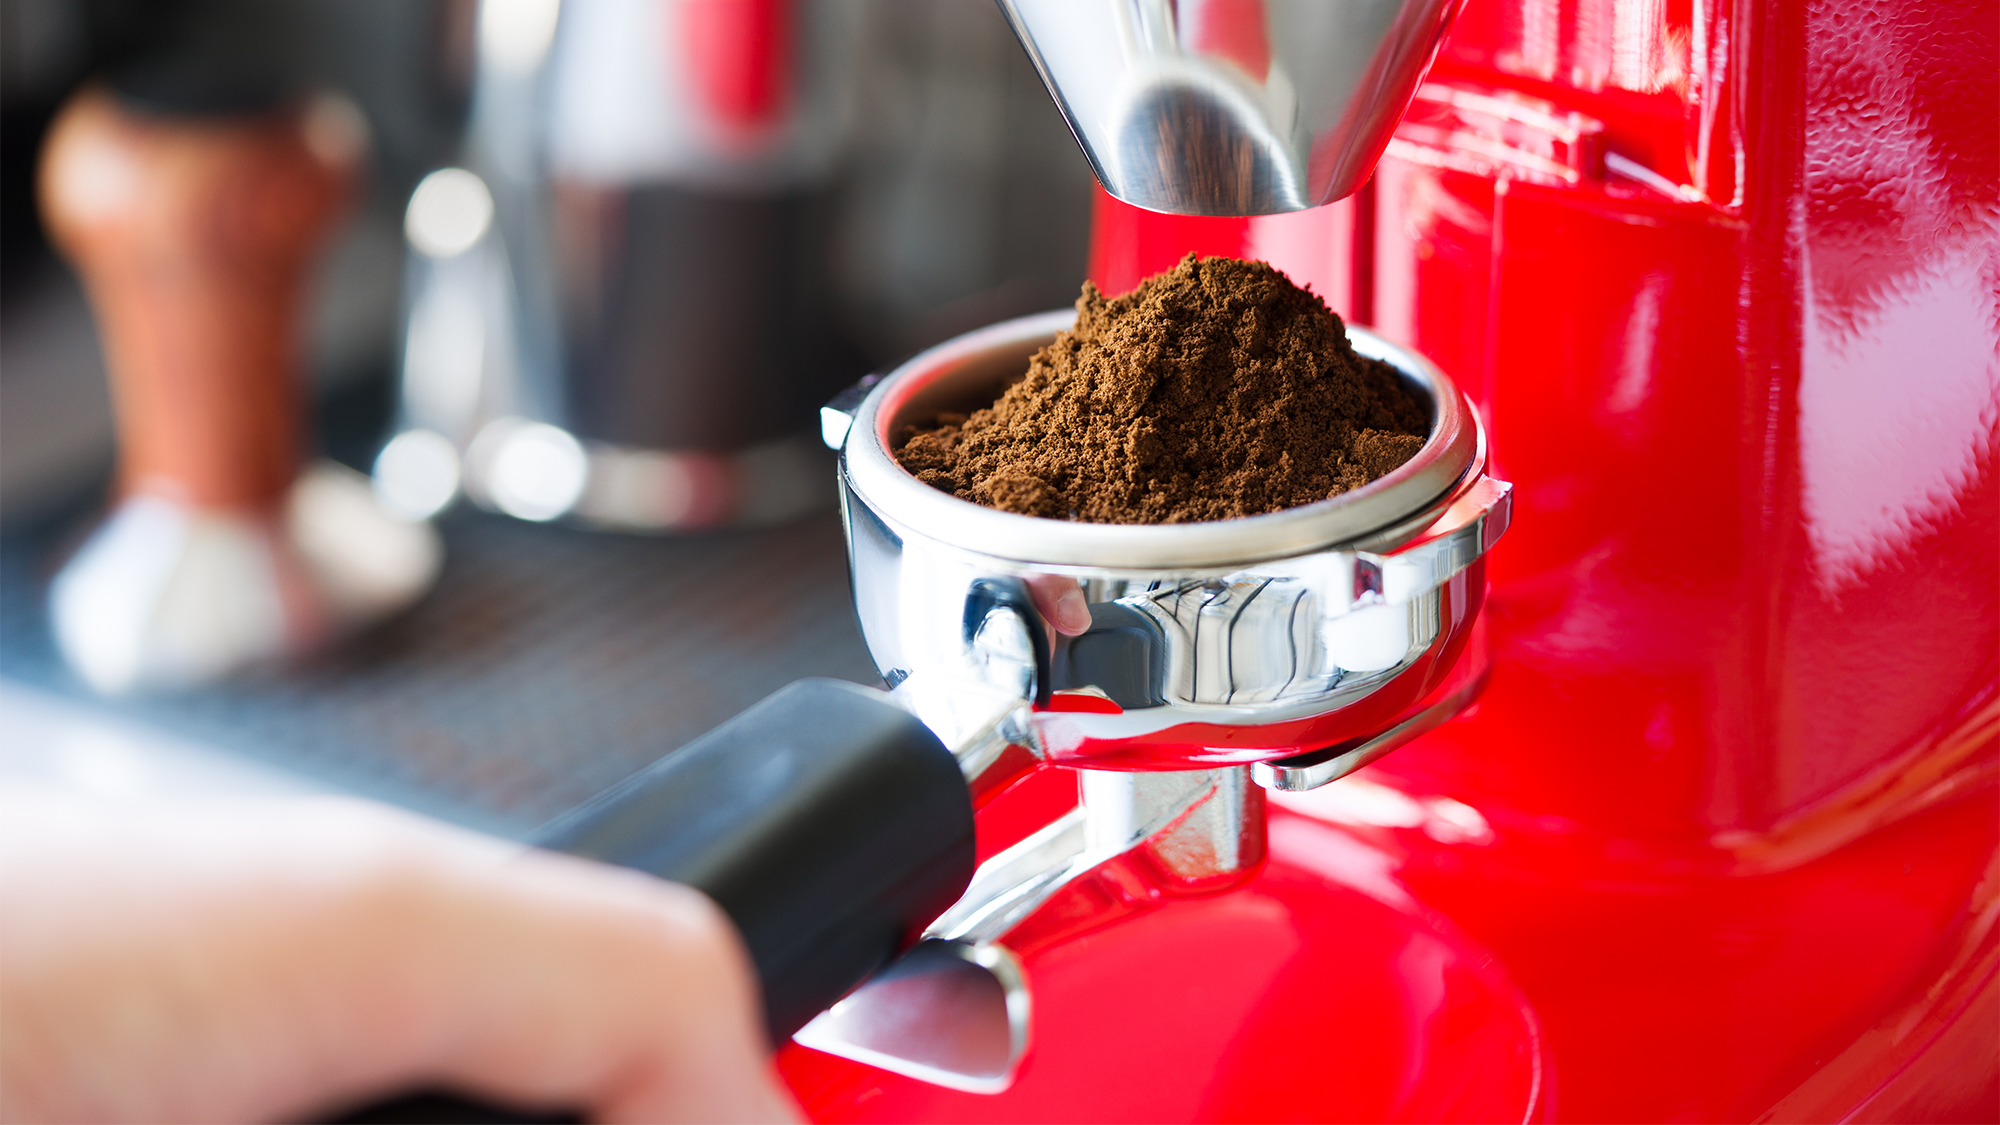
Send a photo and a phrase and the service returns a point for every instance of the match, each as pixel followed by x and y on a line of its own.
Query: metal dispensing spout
pixel 1231 107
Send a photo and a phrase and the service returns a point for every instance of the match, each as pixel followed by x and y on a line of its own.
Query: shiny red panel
pixel 1434 236
pixel 1314 248
pixel 1681 983
pixel 1239 1007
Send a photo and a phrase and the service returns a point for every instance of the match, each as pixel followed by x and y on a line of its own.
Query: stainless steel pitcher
pixel 618 310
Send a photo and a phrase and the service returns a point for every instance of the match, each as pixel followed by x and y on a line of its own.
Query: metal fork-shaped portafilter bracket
pixel 1213 108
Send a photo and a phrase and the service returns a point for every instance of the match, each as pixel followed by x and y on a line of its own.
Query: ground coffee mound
pixel 1214 390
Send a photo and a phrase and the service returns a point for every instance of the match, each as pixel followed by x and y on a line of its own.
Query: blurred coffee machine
pixel 617 312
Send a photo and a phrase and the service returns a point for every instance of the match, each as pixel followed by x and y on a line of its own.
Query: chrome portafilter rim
pixel 949 376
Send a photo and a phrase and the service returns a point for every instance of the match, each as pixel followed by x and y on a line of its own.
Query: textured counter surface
pixel 547 664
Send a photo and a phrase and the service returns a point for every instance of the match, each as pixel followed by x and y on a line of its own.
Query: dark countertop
pixel 547 664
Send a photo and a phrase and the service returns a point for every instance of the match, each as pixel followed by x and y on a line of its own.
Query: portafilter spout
pixel 1231 107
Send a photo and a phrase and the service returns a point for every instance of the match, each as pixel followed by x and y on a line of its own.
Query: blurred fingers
pixel 265 960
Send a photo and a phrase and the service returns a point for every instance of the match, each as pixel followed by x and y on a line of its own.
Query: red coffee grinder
pixel 1717 841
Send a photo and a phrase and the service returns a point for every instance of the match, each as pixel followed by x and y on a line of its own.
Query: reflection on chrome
pixel 954 1014
pixel 1311 770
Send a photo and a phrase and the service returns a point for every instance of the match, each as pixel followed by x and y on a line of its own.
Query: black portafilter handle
pixel 828 823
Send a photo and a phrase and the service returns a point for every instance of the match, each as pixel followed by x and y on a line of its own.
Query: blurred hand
pixel 266 960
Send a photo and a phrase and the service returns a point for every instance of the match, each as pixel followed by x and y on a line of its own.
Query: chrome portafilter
pixel 1279 651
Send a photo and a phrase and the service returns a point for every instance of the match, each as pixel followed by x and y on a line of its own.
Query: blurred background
pixel 674 277
pixel 955 196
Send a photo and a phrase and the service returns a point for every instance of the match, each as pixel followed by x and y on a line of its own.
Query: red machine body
pixel 1720 840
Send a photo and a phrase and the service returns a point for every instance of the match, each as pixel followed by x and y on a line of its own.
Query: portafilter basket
pixel 1214 643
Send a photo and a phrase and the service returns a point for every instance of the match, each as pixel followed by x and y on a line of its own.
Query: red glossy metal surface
pixel 1725 281
pixel 1248 1007
pixel 1313 247
pixel 1738 745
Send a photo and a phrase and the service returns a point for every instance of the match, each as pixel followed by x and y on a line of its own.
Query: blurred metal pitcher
pixel 617 313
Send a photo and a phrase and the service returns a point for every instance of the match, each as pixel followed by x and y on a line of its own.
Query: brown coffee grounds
pixel 1214 390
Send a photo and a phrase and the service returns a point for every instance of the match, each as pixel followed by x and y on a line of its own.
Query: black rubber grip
pixel 830 824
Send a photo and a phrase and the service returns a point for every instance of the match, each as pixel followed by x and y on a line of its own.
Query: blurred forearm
pixel 250 961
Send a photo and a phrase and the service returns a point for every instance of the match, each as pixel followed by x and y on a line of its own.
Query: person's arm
pixel 273 960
